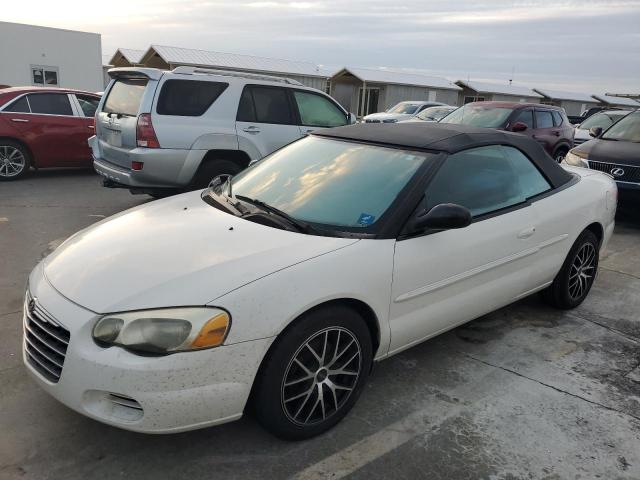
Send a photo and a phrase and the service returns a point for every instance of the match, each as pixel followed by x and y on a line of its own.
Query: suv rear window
pixel 125 96
pixel 188 98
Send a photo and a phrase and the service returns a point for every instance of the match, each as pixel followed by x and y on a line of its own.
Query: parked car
pixel 281 286
pixel 601 120
pixel 399 112
pixel 616 151
pixel 160 132
pixel 44 127
pixel 432 114
pixel 548 125
pixel 576 120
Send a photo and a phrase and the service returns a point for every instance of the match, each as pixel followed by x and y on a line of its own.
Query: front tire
pixel 575 279
pixel 14 160
pixel 314 373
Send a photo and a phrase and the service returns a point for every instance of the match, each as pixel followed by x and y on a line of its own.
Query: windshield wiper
pixel 299 224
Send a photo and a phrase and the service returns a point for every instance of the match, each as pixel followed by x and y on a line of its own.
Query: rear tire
pixel 313 374
pixel 15 160
pixel 575 279
pixel 211 169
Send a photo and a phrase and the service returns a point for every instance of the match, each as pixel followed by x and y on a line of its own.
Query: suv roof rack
pixel 186 70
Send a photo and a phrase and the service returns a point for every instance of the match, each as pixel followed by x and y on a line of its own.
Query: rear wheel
pixel 14 160
pixel 576 277
pixel 314 373
pixel 213 169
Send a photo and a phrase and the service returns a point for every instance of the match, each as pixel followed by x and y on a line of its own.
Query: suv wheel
pixel 314 374
pixel 576 277
pixel 560 154
pixel 212 169
pixel 14 160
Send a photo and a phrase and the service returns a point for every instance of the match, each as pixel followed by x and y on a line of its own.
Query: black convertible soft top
pixel 449 138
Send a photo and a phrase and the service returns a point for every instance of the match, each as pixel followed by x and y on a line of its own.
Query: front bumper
pixel 164 394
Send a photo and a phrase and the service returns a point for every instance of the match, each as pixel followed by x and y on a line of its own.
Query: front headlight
pixel 576 159
pixel 165 330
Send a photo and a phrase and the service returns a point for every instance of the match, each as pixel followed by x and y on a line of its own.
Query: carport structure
pixel 369 90
pixel 573 103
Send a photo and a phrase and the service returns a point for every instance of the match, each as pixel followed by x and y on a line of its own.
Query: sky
pixel 589 46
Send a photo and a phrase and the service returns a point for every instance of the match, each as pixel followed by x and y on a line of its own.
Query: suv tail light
pixel 145 134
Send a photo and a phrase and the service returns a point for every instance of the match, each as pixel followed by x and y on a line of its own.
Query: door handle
pixel 251 129
pixel 90 127
pixel 20 120
pixel 526 233
pixel 557 134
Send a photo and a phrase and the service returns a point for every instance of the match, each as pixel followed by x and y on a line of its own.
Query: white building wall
pixel 77 56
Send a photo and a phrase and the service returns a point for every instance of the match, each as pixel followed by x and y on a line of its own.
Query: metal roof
pixel 627 102
pixel 204 58
pixel 515 90
pixel 558 95
pixel 130 55
pixel 383 75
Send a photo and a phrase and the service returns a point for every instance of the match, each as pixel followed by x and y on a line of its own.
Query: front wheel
pixel 314 374
pixel 576 277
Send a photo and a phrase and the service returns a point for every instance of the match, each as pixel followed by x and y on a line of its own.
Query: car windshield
pixel 627 129
pixel 602 120
pixel 408 108
pixel 433 113
pixel 330 182
pixel 479 116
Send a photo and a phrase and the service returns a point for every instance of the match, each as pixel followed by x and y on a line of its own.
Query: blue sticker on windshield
pixel 366 219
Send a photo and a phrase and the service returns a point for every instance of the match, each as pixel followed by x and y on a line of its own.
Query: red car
pixel 44 127
pixel 546 124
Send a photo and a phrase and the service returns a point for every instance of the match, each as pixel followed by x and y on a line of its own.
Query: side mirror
pixel 595 132
pixel 445 216
pixel 352 119
pixel 519 127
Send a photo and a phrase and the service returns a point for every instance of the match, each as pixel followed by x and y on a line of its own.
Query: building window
pixel 44 76
pixel 469 99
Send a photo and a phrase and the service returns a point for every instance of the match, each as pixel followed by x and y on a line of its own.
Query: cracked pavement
pixel 526 392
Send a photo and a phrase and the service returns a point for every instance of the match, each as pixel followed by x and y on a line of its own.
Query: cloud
pixel 590 45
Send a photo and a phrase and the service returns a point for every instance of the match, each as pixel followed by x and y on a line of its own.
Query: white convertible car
pixel 278 289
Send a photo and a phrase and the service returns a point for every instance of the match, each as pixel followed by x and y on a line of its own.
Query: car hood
pixel 611 151
pixel 388 116
pixel 173 252
pixel 582 134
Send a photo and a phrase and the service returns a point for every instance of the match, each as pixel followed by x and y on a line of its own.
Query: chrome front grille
pixel 45 340
pixel 623 173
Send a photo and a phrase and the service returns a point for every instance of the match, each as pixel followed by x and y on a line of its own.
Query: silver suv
pixel 161 132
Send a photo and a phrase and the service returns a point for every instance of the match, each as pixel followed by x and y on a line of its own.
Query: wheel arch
pixel 239 157
pixel 597 229
pixel 363 309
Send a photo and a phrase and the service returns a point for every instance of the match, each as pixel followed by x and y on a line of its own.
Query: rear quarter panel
pixel 591 198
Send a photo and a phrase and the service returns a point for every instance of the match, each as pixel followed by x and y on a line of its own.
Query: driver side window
pixel 485 180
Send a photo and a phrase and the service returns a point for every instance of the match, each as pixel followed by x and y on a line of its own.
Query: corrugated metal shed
pixel 205 58
pixel 514 90
pixel 628 102
pixel 558 95
pixel 398 77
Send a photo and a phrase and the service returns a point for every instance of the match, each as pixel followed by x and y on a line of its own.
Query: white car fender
pixel 361 271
